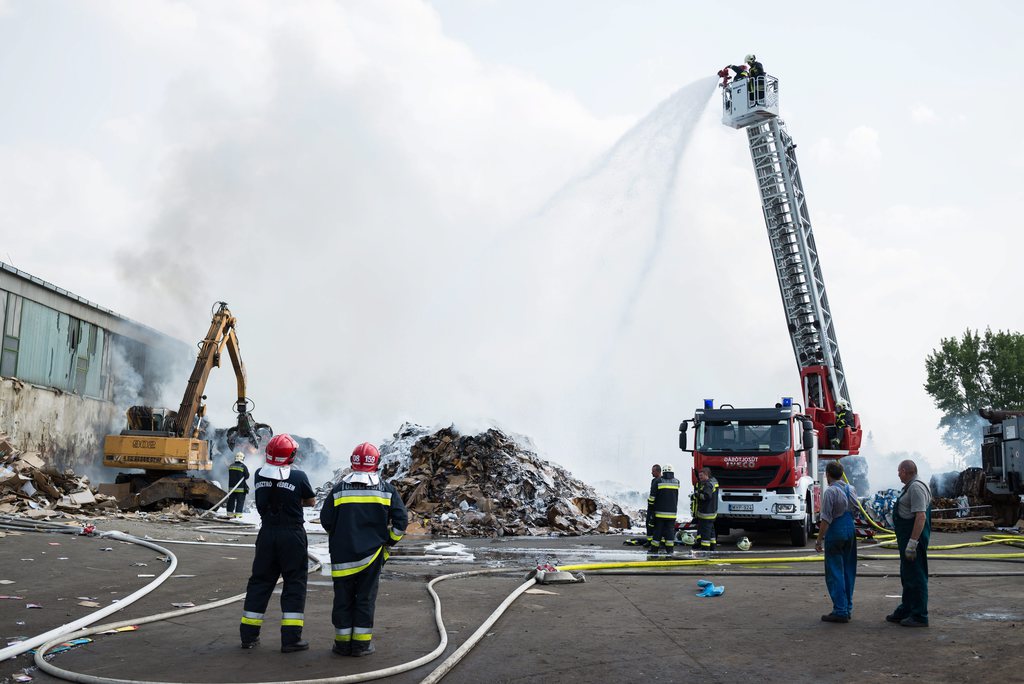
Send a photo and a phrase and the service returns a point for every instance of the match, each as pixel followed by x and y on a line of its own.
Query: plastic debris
pixel 32 605
pixel 709 589
pixel 64 647
pixel 13 598
pixel 187 604
pixel 126 628
pixel 89 604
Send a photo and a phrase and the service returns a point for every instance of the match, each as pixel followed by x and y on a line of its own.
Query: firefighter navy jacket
pixel 361 519
pixel 238 477
pixel 280 501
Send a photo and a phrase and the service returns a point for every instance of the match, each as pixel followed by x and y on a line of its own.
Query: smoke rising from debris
pixel 374 283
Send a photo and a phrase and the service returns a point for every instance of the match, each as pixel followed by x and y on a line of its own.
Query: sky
pixel 513 212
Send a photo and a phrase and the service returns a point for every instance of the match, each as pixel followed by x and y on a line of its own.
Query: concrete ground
pixel 614 628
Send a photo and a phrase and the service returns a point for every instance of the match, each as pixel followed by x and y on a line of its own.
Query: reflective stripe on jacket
pixel 666 498
pixel 707 499
pixel 238 478
pixel 361 519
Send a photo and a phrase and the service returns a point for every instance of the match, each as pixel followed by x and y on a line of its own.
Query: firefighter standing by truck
pixel 666 504
pixel 364 517
pixel 281 494
pixel 655 476
pixel 238 483
pixel 705 502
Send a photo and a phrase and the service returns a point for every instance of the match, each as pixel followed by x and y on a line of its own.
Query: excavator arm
pixel 221 334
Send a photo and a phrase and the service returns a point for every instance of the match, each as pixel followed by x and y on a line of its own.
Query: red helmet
pixel 365 458
pixel 281 450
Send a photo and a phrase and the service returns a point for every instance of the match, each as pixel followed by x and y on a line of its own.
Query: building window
pixel 11 316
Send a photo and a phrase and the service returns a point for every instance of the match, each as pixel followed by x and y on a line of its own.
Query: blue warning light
pixel 787 402
pixel 709 403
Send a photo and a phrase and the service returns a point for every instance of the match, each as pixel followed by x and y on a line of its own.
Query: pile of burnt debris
pixel 29 488
pixel 488 484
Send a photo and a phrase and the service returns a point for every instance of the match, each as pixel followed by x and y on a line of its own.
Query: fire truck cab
pixel 766 463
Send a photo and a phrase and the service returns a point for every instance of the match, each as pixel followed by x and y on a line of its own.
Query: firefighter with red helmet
pixel 281 493
pixel 364 517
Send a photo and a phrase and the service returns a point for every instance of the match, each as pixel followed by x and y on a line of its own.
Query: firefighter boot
pixel 362 648
pixel 299 645
pixel 342 648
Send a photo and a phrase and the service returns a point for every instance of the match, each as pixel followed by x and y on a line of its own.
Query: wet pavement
pixel 638 627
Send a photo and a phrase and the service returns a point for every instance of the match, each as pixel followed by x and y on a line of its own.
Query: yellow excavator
pixel 167 444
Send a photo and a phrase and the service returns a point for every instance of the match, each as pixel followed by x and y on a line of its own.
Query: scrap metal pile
pixel 29 488
pixel 488 484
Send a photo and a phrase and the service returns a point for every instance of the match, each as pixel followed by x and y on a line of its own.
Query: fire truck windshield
pixel 743 436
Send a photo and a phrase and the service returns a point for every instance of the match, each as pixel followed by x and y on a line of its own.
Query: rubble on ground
pixel 30 488
pixel 488 484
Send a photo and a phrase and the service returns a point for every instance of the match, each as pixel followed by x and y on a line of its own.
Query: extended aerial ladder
pixel 753 104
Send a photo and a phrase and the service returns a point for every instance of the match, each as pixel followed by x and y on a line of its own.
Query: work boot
pixel 894 617
pixel 251 644
pixel 832 617
pixel 342 648
pixel 912 622
pixel 362 648
pixel 299 645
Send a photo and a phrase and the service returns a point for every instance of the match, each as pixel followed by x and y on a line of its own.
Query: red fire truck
pixel 766 460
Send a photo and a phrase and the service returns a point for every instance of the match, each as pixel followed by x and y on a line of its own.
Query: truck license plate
pixel 742 507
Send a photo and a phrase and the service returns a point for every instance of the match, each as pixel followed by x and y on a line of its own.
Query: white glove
pixel 911 553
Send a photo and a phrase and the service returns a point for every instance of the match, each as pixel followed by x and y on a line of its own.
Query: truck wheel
pixel 799 532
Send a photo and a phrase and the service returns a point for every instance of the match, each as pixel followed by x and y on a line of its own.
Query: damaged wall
pixel 65 429
pixel 69 368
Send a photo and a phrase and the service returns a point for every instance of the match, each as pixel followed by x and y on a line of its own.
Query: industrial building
pixel 70 367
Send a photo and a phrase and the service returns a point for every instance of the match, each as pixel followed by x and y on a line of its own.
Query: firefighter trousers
pixel 236 502
pixel 664 535
pixel 280 552
pixel 355 597
pixel 706 535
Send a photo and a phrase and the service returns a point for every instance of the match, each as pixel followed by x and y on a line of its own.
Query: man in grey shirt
pixel 912 519
pixel 838 536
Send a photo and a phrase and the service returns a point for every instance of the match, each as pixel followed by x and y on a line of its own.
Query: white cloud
pixel 860 146
pixel 921 113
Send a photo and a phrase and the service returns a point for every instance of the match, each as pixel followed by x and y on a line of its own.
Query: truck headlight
pixel 785 508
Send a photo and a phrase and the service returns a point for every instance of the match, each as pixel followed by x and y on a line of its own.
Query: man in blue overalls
pixel 837 535
pixel 912 518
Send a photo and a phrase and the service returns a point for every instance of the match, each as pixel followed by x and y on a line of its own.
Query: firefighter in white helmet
pixel 238 485
pixel 364 517
pixel 666 505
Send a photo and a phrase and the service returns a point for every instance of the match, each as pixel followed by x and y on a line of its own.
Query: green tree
pixel 971 373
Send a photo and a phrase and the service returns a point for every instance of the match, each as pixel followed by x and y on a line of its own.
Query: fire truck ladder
pixel 797 267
